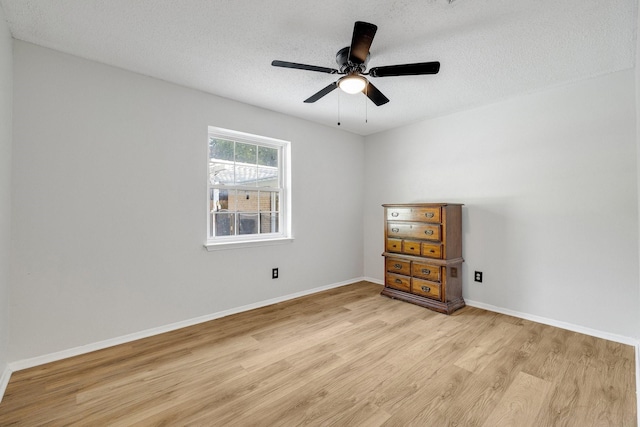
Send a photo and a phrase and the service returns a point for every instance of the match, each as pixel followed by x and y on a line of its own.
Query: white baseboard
pixel 558 324
pixel 372 280
pixel 4 380
pixel 76 351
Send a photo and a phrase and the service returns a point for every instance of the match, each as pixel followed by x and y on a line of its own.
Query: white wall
pixel 109 205
pixel 550 187
pixel 6 96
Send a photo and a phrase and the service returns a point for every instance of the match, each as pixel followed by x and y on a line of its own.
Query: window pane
pixel 214 200
pixel 246 175
pixel 267 156
pixel 248 223
pixel 224 224
pixel 220 149
pixel 221 173
pixel 246 153
pixel 247 201
pixel 222 200
pixel 269 222
pixel 228 200
pixel 267 177
pixel 269 201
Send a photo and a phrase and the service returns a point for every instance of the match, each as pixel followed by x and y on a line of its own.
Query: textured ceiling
pixel 489 49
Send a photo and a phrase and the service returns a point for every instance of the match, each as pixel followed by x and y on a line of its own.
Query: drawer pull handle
pixel 397 266
pixel 398 281
pixel 426 271
pixel 428 232
pixel 429 214
pixel 425 288
pixel 432 251
pixel 394 214
pixel 395 230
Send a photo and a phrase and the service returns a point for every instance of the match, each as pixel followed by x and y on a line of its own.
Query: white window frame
pixel 284 165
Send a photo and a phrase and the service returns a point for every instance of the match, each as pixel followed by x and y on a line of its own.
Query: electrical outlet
pixel 274 273
pixel 478 276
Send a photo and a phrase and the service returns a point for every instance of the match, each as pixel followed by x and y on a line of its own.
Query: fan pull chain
pixel 366 104
pixel 338 108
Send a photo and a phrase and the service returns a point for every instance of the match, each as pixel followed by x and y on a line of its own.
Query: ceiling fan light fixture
pixel 352 84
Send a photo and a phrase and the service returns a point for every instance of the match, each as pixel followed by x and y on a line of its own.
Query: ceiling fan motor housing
pixel 346 67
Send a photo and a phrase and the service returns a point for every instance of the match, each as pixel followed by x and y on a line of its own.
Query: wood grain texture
pixel 344 357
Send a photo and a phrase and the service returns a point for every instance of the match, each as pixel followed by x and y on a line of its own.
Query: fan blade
pixel 297 66
pixel 406 69
pixel 321 93
pixel 375 95
pixel 363 33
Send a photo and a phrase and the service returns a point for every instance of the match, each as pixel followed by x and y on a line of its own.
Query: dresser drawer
pixel 394 245
pixel 413 230
pixel 432 250
pixel 425 271
pixel 411 247
pixel 397 281
pixel 425 288
pixel 431 214
pixel 398 266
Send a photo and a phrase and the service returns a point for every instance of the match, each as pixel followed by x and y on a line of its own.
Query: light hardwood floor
pixel 344 357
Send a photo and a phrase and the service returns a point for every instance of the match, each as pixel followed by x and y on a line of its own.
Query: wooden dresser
pixel 423 254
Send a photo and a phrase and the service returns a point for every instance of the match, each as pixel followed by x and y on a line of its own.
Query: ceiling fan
pixel 352 63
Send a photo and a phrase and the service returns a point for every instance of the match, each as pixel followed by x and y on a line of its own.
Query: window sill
pixel 247 244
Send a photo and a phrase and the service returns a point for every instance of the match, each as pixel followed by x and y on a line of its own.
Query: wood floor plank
pixel 347 356
pixel 521 403
pixel 478 398
pixel 549 361
pixel 600 396
pixel 426 406
pixel 343 380
pixel 481 353
pixel 307 365
pixel 279 350
pixel 528 338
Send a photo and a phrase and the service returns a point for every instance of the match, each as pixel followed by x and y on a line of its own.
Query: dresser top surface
pixel 426 205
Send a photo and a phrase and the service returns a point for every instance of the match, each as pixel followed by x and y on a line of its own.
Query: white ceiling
pixel 488 49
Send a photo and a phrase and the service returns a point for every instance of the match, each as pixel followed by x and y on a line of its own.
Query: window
pixel 248 189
